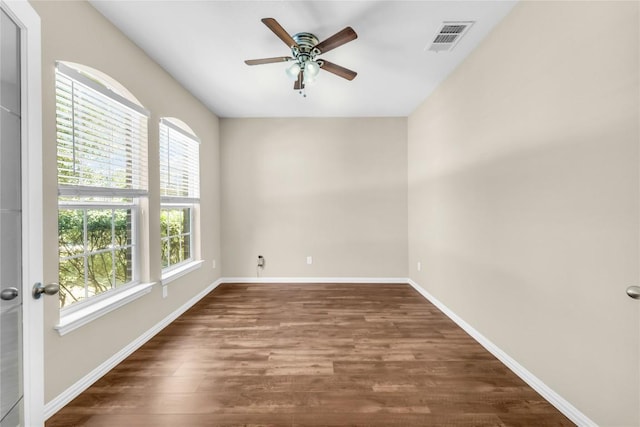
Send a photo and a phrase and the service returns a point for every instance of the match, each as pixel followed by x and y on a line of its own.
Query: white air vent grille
pixel 453 29
pixel 445 38
pixel 448 36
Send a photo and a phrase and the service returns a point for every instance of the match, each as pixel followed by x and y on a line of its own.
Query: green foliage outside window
pixel 97 261
pixel 175 234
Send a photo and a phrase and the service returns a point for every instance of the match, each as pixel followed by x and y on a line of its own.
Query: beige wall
pixel 333 189
pixel 74 31
pixel 523 198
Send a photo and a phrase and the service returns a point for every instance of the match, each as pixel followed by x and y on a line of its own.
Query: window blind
pixel 179 165
pixel 102 139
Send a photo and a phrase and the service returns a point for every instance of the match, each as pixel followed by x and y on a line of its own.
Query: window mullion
pixel 85 242
pixel 113 246
pixel 169 185
pixel 73 128
pixel 191 217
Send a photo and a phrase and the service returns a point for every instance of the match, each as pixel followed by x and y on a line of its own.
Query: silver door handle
pixel 50 289
pixel 634 292
pixel 9 294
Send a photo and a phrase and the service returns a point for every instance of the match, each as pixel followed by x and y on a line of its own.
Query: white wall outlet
pixel 419 266
pixel 165 291
pixel 213 264
pixel 309 260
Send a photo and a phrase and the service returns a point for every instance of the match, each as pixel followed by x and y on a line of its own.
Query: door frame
pixel 28 20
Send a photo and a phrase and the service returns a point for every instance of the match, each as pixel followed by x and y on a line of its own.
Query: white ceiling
pixel 203 45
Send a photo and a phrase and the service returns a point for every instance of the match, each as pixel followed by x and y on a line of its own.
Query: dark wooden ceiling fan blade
pixel 345 73
pixel 336 40
pixel 277 29
pixel 268 60
pixel 299 84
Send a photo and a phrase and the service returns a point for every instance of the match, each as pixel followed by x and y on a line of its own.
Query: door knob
pixel 634 292
pixel 50 289
pixel 9 294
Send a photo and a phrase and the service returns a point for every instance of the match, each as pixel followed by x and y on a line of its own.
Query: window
pixel 175 223
pixel 102 174
pixel 179 192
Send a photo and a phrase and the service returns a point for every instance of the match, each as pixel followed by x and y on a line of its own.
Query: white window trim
pixel 81 313
pixel 135 279
pixel 81 190
pixel 81 78
pixel 171 274
pixel 70 320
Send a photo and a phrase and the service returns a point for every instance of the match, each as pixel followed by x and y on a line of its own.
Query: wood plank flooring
pixel 310 355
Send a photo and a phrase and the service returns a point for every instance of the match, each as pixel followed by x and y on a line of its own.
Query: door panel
pixel 9 64
pixel 10 345
pixel 11 387
pixel 9 161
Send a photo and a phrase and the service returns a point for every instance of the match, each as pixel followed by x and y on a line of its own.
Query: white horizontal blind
pixel 179 165
pixel 102 141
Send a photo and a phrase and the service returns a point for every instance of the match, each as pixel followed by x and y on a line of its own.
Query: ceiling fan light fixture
pixel 311 69
pixel 293 71
pixel 308 79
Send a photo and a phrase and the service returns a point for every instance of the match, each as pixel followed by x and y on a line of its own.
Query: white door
pixel 21 343
pixel 11 389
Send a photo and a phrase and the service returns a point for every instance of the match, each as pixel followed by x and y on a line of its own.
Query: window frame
pixel 135 250
pixel 79 197
pixel 171 202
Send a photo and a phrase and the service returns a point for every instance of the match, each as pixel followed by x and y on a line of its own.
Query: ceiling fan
pixel 305 47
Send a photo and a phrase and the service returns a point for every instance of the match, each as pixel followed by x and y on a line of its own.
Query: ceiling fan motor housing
pixel 305 51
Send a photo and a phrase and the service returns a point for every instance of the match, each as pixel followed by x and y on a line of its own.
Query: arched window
pixel 102 174
pixel 179 192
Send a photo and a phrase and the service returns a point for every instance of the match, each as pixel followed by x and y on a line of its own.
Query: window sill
pixel 171 275
pixel 72 321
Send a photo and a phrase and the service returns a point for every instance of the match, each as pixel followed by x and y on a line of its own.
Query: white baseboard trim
pixel 544 390
pixel 53 406
pixel 304 280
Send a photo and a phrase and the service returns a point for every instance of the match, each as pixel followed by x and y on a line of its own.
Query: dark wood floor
pixel 310 355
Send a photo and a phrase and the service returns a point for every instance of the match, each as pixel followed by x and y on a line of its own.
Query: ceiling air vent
pixel 449 35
